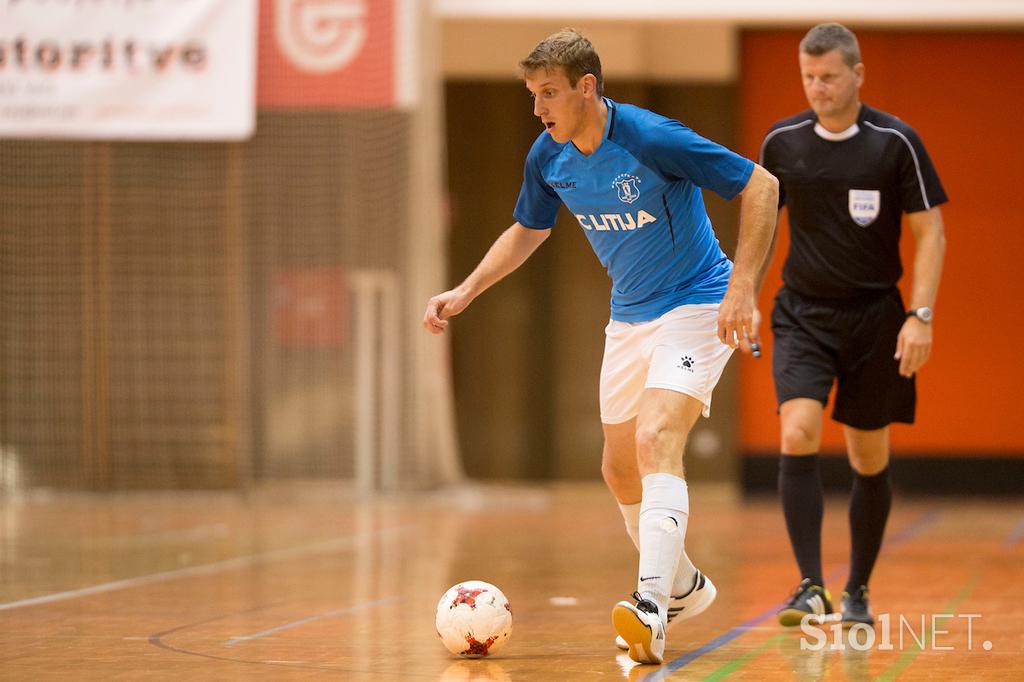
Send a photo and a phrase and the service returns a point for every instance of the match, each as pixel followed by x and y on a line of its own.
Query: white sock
pixel 686 572
pixel 663 516
pixel 631 515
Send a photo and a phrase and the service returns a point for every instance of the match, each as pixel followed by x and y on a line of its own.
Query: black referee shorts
pixel 852 342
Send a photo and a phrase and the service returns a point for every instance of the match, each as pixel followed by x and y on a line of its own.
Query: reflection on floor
pixel 310 580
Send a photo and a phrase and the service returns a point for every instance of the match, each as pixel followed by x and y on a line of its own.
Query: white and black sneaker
pixel 641 628
pixel 691 604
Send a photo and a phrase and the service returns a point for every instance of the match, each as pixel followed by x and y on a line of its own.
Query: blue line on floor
pixel 906 533
pixel 1016 535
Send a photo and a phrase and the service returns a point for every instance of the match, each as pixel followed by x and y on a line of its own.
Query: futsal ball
pixel 474 619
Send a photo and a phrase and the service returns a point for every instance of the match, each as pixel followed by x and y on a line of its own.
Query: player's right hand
pixel 441 307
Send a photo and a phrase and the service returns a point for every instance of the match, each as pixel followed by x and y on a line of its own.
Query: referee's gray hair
pixel 827 37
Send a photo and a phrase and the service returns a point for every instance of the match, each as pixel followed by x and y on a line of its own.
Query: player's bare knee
pixel 658 444
pixel 799 439
pixel 614 474
pixel 869 464
pixel 650 438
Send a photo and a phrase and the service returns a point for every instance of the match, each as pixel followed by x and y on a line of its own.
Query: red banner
pixel 328 53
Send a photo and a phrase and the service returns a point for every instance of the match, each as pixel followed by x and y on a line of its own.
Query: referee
pixel 847 173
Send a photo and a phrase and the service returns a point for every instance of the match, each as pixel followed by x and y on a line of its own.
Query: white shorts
pixel 679 351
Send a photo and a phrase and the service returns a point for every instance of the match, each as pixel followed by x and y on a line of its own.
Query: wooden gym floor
pixel 309 582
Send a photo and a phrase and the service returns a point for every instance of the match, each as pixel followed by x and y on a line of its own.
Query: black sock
pixel 803 501
pixel 869 510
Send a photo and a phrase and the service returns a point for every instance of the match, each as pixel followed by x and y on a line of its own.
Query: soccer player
pixel 848 173
pixel 679 307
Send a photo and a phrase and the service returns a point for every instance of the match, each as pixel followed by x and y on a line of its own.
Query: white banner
pixel 128 69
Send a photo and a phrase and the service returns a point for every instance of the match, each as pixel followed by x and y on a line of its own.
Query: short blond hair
pixel 568 49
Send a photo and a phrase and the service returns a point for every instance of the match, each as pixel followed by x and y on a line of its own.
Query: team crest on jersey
pixel 865 205
pixel 628 187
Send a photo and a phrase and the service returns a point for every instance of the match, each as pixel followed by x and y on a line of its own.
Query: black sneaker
pixel 807 598
pixel 855 608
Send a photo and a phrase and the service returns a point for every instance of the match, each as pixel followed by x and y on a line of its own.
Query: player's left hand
pixel 755 336
pixel 913 346
pixel 736 327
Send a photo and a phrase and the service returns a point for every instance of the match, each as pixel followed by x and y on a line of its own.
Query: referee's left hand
pixel 913 346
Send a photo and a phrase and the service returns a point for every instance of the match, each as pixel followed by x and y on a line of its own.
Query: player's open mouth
pixel 549 125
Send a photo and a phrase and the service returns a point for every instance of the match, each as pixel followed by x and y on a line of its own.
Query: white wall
pixel 491 48
pixel 674 40
pixel 902 12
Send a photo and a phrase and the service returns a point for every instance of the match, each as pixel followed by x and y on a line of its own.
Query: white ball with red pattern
pixel 474 619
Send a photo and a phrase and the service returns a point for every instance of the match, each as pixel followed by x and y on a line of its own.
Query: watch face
pixel 924 314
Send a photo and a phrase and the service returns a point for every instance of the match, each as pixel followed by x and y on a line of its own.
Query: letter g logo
pixel 320 35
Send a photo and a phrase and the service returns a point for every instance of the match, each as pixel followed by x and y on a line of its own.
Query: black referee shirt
pixel 846 193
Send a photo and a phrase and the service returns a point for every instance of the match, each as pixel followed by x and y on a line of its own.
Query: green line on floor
pixel 737 663
pixel 901 664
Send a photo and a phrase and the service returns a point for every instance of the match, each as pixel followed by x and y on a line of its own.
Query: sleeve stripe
pixel 917 164
pixel 760 156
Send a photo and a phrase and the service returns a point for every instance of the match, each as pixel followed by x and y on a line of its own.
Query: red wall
pixel 964 94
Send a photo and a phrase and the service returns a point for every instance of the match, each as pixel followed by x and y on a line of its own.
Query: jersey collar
pixel 609 126
pixel 826 134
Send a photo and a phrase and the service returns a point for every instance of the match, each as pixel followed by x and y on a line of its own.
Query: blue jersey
pixel 637 198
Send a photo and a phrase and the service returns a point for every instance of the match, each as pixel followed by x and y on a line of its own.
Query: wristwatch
pixel 924 313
